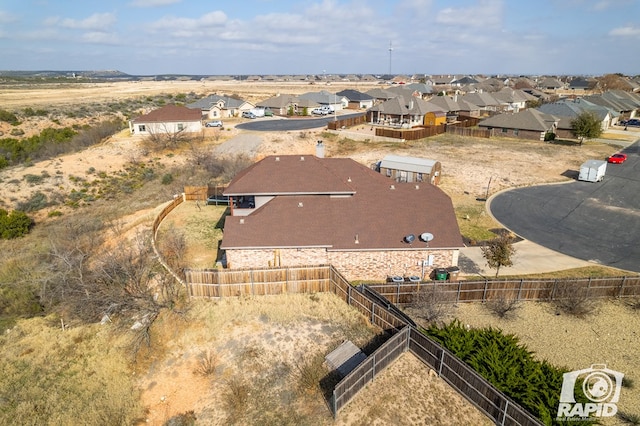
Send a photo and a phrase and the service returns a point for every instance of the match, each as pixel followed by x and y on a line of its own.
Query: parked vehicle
pixel 635 122
pixel 592 170
pixel 618 158
pixel 323 110
pixel 258 112
pixel 214 123
pixel 248 114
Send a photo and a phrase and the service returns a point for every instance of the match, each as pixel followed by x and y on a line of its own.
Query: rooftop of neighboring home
pixel 529 119
pixel 337 204
pixel 169 113
pixel 211 100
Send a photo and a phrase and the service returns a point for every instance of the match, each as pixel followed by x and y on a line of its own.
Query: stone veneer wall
pixel 354 265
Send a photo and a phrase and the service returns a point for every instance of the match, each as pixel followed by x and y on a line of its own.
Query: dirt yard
pixel 247 335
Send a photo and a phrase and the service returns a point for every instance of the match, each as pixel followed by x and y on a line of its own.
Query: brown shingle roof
pixel 170 113
pixel 328 202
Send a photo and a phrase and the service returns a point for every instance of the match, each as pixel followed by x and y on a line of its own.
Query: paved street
pixel 595 222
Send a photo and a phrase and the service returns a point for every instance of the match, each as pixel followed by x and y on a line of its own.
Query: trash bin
pixel 441 274
pixel 453 273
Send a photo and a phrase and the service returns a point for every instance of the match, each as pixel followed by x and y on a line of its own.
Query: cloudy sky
pixel 146 37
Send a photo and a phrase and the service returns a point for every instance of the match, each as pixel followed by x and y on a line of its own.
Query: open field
pixel 267 338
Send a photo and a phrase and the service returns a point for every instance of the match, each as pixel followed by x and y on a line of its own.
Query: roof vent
pixel 392 187
pixel 301 158
pixel 349 179
pixel 417 186
pixel 357 241
pixel 409 238
pixel 277 158
pixel 241 220
pixel 300 204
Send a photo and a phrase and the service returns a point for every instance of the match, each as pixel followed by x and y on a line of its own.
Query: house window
pixel 505 130
pixel 180 127
pixel 142 128
pixel 388 172
pixel 419 178
pixel 515 132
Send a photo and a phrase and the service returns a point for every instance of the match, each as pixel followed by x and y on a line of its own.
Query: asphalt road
pixel 266 125
pixel 598 222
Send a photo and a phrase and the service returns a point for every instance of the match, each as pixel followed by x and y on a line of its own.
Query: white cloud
pixel 189 25
pixel 152 3
pixel 6 17
pixel 487 13
pixel 97 21
pixel 99 37
pixel 628 31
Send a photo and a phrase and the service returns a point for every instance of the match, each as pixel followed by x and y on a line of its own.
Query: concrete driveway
pixel 595 222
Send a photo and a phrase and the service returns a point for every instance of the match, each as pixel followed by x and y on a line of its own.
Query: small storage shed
pixel 411 169
pixel 592 170
pixel 435 118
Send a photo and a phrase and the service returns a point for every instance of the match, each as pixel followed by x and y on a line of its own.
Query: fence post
pixel 621 286
pixel 397 292
pixel 520 289
pixel 553 290
pixel 484 294
pixel 459 290
pixel 253 293
pixel 441 362
pixel 504 412
pixel 349 295
pixel 334 404
pixel 373 310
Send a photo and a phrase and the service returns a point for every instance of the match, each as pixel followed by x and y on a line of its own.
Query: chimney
pixel 320 149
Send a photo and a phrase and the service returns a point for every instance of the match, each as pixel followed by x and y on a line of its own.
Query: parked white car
pixel 323 110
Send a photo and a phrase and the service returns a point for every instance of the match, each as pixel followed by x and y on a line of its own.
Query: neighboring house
pixel 393 112
pixel 485 101
pixel 281 104
pixel 567 110
pixel 326 98
pixel 406 112
pixel 527 124
pixel 410 169
pixel 356 99
pixel 307 210
pixel 216 106
pixel 581 84
pixel 626 104
pixel 512 99
pixel 550 84
pixel 381 95
pixel 424 90
pixel 169 119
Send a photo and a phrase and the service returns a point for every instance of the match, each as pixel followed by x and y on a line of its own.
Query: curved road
pixel 598 222
pixel 259 124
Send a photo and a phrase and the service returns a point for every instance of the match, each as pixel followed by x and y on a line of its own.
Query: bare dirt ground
pixel 236 327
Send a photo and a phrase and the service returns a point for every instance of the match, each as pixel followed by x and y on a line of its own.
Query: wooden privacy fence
pixel 411 134
pixel 346 122
pixel 257 282
pixel 525 290
pixel 493 403
pixel 154 233
pixel 469 132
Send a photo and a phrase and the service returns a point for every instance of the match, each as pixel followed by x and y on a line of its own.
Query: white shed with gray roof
pixel 411 169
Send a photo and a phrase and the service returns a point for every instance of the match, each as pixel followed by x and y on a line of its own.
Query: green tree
pixel 15 224
pixel 586 126
pixel 499 252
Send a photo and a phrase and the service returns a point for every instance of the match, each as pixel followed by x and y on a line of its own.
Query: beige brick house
pixel 292 210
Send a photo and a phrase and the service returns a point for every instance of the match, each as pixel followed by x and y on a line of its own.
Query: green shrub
pixel 38 201
pixel 15 224
pixel 167 179
pixel 509 366
pixel 8 117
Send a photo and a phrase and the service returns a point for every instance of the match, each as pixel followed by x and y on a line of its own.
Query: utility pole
pixel 390 50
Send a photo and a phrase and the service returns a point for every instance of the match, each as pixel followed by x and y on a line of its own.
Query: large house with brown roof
pixel 170 119
pixel 292 210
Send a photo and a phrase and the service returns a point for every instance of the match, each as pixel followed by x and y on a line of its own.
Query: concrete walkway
pixel 530 258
